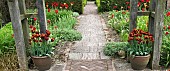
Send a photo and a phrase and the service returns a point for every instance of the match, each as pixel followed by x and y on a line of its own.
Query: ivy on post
pixel 42 15
pixel 24 22
pixel 158 26
pixel 133 14
pixel 18 33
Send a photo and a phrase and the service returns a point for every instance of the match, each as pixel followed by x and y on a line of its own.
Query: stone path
pixel 87 54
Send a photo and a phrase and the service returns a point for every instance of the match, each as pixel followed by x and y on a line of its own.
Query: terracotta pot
pixel 139 62
pixel 42 63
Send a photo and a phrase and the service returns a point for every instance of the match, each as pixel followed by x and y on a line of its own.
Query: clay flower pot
pixel 139 62
pixel 42 63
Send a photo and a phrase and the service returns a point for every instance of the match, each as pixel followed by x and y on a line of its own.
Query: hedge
pixel 98 3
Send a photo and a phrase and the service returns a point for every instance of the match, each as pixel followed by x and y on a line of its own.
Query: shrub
pixel 112 48
pixel 68 35
pixel 7 40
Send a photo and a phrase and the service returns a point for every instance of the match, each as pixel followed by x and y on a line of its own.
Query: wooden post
pixel 133 14
pixel 42 15
pixel 24 22
pixel 151 25
pixel 158 26
pixel 151 18
pixel 18 33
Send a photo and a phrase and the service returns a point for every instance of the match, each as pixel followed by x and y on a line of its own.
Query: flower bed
pixel 109 5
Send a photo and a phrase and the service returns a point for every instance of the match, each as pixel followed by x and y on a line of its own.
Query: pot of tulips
pixel 41 49
pixel 139 48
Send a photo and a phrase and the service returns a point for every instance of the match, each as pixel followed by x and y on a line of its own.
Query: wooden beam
pixel 146 13
pixel 133 14
pixel 27 15
pixel 42 15
pixel 141 13
pixel 18 33
pixel 158 26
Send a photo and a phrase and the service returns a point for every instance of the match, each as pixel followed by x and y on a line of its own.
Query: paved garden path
pixel 87 54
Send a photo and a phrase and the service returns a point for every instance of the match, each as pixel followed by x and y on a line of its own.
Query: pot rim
pixel 143 56
pixel 39 56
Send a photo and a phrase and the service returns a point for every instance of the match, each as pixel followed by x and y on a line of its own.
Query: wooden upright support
pixel 157 27
pixel 133 14
pixel 42 15
pixel 18 33
pixel 24 22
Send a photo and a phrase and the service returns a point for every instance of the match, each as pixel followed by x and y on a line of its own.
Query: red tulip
pixel 168 13
pixel 40 40
pixel 114 7
pixel 56 11
pixel 169 27
pixel 167 33
pixel 46 38
pixel 35 19
pixel 52 40
pixel 128 7
pixel 72 3
pixel 138 4
pixel 147 0
pixel 55 27
pixel 164 27
pixel 142 0
pixel 47 32
pixel 112 15
pixel 61 5
pixel 127 2
pixel 143 9
pixel 48 21
pixel 49 9
pixel 42 35
pixel 123 12
pixel 31 26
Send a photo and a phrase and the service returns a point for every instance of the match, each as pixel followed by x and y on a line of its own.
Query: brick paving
pixel 87 54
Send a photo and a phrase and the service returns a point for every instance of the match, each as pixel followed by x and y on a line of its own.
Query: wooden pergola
pixel 156 18
pixel 21 33
pixel 20 27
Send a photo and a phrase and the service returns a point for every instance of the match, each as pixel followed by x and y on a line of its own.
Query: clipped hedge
pixel 108 5
pixel 77 7
pixel 112 48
